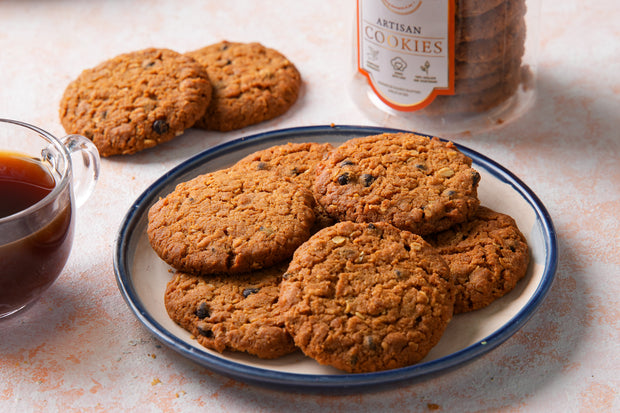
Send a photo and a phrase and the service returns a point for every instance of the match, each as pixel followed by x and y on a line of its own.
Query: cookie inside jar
pixel 477 73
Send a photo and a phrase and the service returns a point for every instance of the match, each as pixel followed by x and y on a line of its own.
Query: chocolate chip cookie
pixel 416 183
pixel 365 297
pixel 230 222
pixel 251 84
pixel 487 256
pixel 136 100
pixel 235 313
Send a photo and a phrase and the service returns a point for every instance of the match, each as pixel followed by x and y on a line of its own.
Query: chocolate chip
pixel 370 343
pixel 344 178
pixel 286 275
pixel 346 162
pixel 371 226
pixel 248 291
pixel 205 332
pixel 261 166
pixel 421 166
pixel 475 176
pixel 367 179
pixel 203 310
pixel 160 126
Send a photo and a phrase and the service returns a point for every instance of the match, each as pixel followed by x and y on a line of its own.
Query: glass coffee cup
pixel 42 181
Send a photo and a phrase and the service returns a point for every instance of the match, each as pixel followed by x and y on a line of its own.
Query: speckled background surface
pixel 81 349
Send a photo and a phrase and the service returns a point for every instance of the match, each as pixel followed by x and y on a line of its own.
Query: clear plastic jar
pixel 445 66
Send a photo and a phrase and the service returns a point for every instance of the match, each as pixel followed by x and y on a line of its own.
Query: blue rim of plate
pixel 260 376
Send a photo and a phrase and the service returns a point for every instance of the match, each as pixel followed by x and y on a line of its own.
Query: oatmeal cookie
pixel 468 8
pixel 502 44
pixel 416 183
pixel 251 84
pixel 230 222
pixel 296 161
pixel 232 312
pixel 136 100
pixel 489 24
pixel 478 101
pixel 365 297
pixel 487 257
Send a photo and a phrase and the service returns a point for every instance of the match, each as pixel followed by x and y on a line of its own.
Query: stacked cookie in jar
pixel 457 66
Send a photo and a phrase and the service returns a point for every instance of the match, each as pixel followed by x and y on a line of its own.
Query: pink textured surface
pixel 81 349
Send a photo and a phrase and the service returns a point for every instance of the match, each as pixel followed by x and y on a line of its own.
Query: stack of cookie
pixel 358 255
pixel 140 99
pixel 490 42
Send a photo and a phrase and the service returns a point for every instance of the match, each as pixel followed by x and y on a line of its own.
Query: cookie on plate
pixel 365 297
pixel 235 313
pixel 487 257
pixel 251 84
pixel 230 222
pixel 296 161
pixel 136 100
pixel 416 183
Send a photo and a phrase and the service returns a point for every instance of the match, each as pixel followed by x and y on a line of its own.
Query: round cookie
pixel 296 161
pixel 510 73
pixel 236 313
pixel 136 100
pixel 464 70
pixel 416 183
pixel 230 222
pixel 366 297
pixel 480 101
pixel 503 43
pixel 487 257
pixel 489 24
pixel 468 8
pixel 251 84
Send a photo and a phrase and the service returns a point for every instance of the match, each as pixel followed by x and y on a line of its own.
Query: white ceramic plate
pixel 142 276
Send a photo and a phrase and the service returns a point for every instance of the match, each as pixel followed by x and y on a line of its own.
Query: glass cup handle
pixel 85 164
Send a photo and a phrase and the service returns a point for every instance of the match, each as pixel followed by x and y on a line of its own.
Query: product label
pixel 405 48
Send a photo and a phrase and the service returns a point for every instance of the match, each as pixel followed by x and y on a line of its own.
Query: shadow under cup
pixel 35 242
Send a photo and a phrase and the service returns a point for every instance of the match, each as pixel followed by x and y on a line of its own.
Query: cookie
pixel 251 84
pixel 468 8
pixel 416 183
pixel 136 100
pixel 464 70
pixel 296 161
pixel 230 222
pixel 234 313
pixel 489 24
pixel 366 297
pixel 510 73
pixel 502 44
pixel 476 102
pixel 487 257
